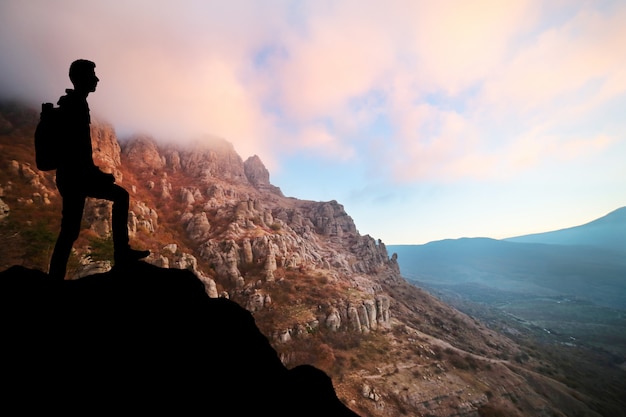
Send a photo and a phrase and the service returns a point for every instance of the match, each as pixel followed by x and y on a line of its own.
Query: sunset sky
pixel 427 120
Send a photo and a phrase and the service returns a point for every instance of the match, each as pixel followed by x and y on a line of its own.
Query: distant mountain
pixel 587 261
pixel 568 285
pixel 590 273
pixel 608 232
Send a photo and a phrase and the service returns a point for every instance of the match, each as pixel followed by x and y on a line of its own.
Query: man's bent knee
pixel 121 195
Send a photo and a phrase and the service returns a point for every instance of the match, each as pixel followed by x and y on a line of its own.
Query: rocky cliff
pixel 321 292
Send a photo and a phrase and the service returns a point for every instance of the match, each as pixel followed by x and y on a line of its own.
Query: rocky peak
pixel 258 176
pixel 206 161
pixel 256 172
pixel 142 152
pixel 106 148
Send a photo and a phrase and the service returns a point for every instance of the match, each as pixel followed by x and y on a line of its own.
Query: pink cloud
pixel 458 43
pixel 440 145
pixel 523 87
pixel 178 71
pixel 186 69
pixel 562 61
pixel 318 139
pixel 340 57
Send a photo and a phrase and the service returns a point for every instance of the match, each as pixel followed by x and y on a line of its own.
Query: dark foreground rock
pixel 143 340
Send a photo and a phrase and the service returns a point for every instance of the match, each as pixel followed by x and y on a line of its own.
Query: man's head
pixel 83 75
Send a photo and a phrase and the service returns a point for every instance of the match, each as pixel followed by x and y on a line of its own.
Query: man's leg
pixel 73 206
pixel 120 198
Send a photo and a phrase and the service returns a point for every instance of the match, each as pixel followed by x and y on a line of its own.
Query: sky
pixel 426 120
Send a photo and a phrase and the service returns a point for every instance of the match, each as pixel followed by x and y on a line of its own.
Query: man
pixel 77 176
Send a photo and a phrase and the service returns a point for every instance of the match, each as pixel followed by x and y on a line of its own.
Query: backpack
pixel 47 137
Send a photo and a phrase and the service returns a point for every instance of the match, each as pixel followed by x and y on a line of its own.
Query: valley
pixel 564 304
pixel 553 318
pixel 574 342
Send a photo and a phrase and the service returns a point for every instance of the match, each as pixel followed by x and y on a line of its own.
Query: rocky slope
pixel 322 293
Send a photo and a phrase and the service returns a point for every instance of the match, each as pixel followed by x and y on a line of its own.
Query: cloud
pixel 500 110
pixel 341 56
pixel 562 61
pixel 529 150
pixel 459 43
pixel 320 141
pixel 178 71
pixel 447 90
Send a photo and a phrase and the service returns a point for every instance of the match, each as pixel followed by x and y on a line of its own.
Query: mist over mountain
pixel 319 291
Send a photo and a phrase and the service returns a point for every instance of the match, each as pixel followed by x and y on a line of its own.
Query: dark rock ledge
pixel 143 340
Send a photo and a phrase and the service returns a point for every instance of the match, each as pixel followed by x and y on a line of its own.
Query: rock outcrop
pixel 255 171
pixel 4 209
pixel 258 176
pixel 144 154
pixel 106 148
pixel 363 316
pixel 145 340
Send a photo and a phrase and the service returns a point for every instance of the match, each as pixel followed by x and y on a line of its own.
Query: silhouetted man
pixel 77 176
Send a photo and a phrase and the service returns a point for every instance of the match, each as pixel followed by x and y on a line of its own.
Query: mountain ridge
pixel 568 270
pixel 608 231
